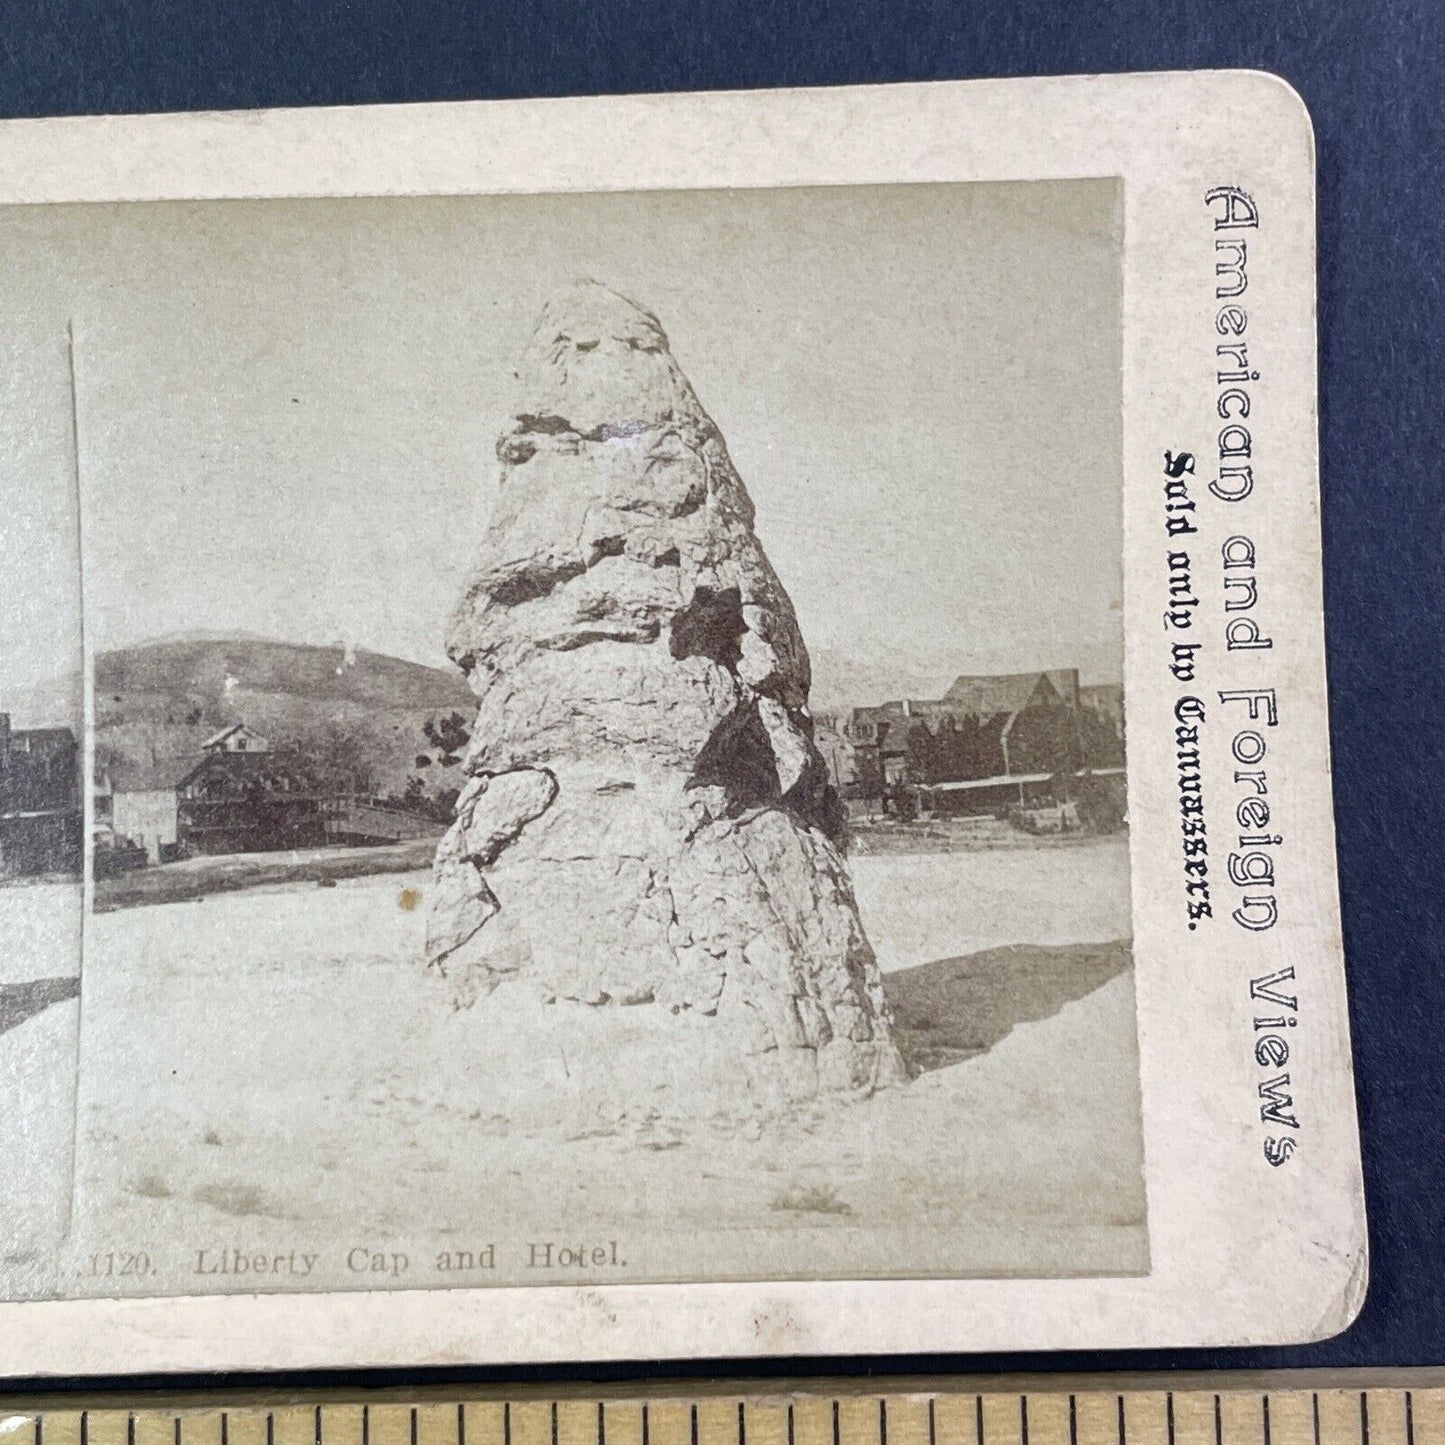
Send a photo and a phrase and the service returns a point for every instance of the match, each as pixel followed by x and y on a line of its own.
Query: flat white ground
pixel 40 932
pixel 270 1072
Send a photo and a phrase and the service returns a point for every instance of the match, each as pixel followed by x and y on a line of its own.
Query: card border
pixel 1286 1262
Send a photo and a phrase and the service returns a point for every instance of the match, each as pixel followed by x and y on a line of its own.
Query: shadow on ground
pixel 955 1008
pixel 20 1001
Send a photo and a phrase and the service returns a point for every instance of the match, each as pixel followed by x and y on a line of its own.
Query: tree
pixel 922 754
pixel 332 757
pixel 449 736
pixel 1100 802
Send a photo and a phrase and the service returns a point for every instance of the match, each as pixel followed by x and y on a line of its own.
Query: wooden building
pixel 238 738
pixel 40 804
pixel 136 803
pixel 989 743
pixel 239 795
pixel 237 801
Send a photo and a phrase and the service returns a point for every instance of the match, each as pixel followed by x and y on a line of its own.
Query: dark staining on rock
pixel 711 625
pixel 550 426
pixel 738 758
pixel 815 800
pixel 614 431
pixel 513 449
pixel 608 547
pixel 532 581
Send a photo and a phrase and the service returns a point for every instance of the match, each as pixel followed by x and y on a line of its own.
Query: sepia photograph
pixel 667 726
pixel 597 735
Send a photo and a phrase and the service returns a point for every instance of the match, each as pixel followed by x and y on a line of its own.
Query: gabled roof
pixel 45 735
pixel 1012 692
pixel 229 762
pixel 166 773
pixel 158 776
pixel 229 732
pixel 900 729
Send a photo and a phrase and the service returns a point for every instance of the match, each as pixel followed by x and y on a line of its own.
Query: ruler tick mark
pixel 122 1425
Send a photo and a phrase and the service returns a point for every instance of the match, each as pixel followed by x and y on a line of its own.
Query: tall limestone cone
pixel 643 881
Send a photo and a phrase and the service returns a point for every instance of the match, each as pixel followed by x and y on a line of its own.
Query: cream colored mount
pixel 1285 1408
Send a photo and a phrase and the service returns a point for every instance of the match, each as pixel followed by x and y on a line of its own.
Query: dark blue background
pixel 1373 75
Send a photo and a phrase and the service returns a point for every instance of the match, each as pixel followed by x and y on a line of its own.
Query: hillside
pixel 841 682
pixel 362 710
pixel 208 668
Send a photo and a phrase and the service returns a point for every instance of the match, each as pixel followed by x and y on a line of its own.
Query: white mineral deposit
pixel 648 824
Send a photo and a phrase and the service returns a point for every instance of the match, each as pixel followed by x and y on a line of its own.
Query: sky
pixel 287 410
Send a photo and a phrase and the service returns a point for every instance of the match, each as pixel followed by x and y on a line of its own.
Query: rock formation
pixel 647 843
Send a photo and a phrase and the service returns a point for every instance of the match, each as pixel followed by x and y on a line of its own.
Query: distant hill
pixel 211 667
pixel 364 710
pixel 53 702
pixel 841 682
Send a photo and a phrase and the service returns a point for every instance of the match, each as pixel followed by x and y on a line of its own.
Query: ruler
pixel 1232 1409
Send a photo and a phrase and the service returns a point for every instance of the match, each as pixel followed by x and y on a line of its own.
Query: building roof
pixel 157 776
pixel 34 742
pixel 166 773
pixel 1009 692
pixel 969 784
pixel 227 732
pixel 229 762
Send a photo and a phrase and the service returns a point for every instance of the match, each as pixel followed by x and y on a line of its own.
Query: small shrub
pixel 811 1199
pixel 151 1186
